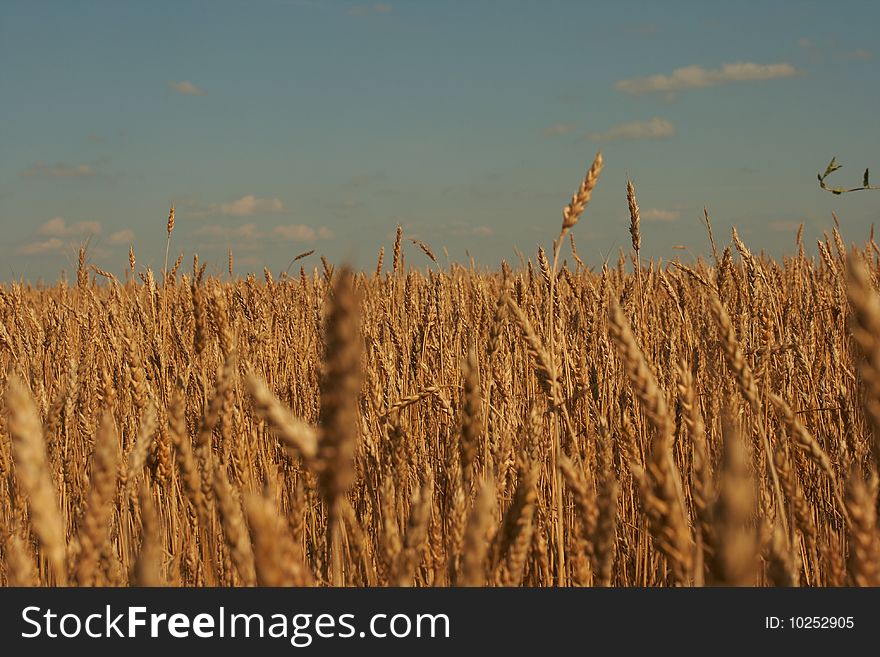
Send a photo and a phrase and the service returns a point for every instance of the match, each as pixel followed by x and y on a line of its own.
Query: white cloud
pixel 59 236
pixel 245 206
pixel 242 232
pixel 656 128
pixel 250 232
pixel 558 129
pixel 363 10
pixel 42 247
pixel 121 237
pixel 302 233
pixel 695 77
pixel 249 205
pixel 657 214
pixel 295 233
pixel 186 88
pixel 59 170
pixel 57 227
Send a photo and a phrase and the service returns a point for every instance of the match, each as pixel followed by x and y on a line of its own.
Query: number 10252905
pixel 809 622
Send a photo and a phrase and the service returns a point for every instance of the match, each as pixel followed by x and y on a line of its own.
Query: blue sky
pixel 281 126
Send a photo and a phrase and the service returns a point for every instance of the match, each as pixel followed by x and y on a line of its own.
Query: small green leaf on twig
pixel 832 167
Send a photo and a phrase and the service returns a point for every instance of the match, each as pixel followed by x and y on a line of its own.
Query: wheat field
pixel 549 424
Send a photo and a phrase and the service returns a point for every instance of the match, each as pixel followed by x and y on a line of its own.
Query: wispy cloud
pixel 828 48
pixel 558 129
pixel 696 77
pixel 251 232
pixel 244 206
pixel 243 232
pixel 42 247
pixel 186 88
pixel 860 55
pixel 58 227
pixel 364 10
pixel 302 233
pixel 660 215
pixel 656 128
pixel 121 237
pixel 249 205
pixel 784 226
pixel 59 170
pixel 58 236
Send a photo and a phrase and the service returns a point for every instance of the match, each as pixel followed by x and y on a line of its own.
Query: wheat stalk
pixel 33 475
